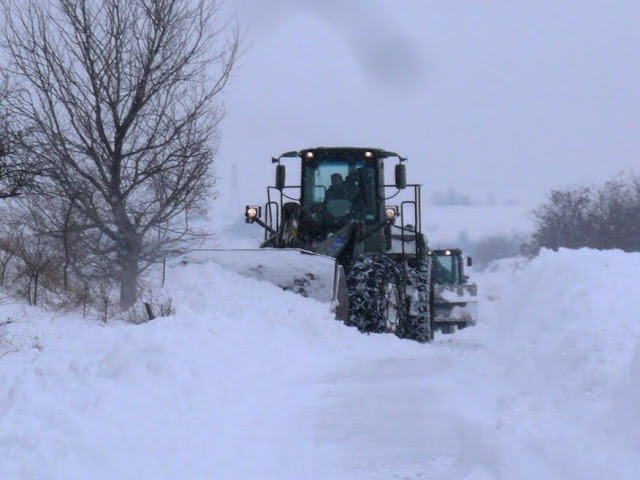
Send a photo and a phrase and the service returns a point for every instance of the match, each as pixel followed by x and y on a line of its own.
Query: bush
pixel 6 345
pixel 149 309
pixel 606 217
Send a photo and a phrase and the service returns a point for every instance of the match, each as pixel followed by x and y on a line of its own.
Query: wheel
pixel 376 294
pixel 419 319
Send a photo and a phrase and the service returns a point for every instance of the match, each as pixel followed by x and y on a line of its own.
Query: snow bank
pixel 218 391
pixel 578 313
pixel 566 329
pixel 633 395
pixel 248 381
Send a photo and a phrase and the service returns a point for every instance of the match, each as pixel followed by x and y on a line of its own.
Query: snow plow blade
pixel 455 306
pixel 309 274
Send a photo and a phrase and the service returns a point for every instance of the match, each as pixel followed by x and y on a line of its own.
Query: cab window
pixel 446 269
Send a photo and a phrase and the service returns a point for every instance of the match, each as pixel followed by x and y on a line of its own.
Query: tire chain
pixel 419 326
pixel 368 275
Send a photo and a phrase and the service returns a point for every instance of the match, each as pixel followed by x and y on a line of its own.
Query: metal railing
pixel 276 203
pixel 406 205
pixel 276 198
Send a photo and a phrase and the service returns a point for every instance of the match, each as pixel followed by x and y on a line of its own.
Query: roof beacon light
pixel 368 154
pixel 308 155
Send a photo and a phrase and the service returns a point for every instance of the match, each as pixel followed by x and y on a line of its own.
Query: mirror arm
pixel 264 225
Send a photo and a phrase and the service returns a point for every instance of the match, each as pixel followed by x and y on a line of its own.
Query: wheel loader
pixel 340 234
pixel 454 297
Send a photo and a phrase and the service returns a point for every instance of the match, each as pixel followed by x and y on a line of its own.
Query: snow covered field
pixel 447 224
pixel 248 382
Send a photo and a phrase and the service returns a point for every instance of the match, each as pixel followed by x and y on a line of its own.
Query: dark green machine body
pixel 343 209
pixel 357 221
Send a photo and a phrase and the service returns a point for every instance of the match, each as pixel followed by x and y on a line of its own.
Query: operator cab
pixel 340 185
pixel 448 266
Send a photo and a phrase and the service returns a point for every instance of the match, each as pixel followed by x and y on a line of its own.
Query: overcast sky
pixel 493 97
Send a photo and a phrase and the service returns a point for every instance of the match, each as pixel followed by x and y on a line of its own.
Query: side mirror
pixel 281 176
pixel 401 176
pixel 469 262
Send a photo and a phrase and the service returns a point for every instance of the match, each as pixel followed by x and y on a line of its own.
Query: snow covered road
pixel 421 415
pixel 546 387
pixel 247 381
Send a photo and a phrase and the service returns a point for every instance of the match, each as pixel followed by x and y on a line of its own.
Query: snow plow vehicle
pixel 335 236
pixel 454 297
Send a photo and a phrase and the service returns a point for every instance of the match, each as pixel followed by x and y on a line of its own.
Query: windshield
pixel 446 268
pixel 339 189
pixel 319 178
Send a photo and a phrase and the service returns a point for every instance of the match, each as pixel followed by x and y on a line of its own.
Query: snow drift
pixel 248 381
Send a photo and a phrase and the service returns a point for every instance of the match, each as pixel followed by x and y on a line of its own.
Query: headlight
pixel 251 213
pixel 392 213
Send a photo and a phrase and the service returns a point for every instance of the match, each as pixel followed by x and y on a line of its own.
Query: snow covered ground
pixel 247 381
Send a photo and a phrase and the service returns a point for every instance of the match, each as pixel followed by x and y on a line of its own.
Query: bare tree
pixel 563 221
pixel 605 217
pixel 616 215
pixel 38 257
pixel 35 258
pixel 121 95
pixel 16 174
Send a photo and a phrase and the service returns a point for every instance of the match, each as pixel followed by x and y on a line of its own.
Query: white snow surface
pixel 247 381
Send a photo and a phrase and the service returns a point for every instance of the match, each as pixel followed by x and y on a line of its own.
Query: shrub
pixel 606 217
pixel 149 309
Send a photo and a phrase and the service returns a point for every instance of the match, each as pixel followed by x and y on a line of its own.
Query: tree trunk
pixel 35 289
pixel 129 263
pixel 7 259
pixel 66 246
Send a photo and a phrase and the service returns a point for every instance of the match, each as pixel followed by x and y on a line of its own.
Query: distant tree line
pixel 109 118
pixel 450 197
pixel 599 217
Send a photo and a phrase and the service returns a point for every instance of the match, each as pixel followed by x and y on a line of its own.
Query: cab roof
pixel 378 152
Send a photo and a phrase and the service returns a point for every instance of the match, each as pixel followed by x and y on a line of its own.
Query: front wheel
pixel 376 294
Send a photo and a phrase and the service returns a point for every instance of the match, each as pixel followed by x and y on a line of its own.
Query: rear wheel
pixel 418 323
pixel 376 294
